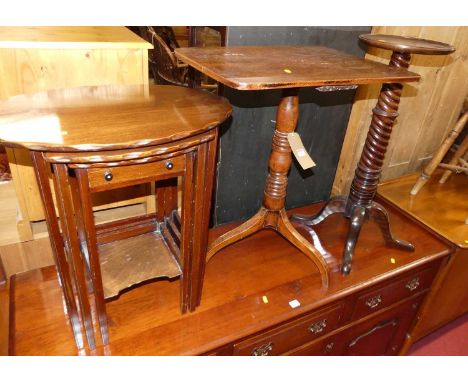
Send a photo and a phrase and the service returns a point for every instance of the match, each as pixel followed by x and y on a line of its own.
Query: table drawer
pixel 293 334
pixel 371 301
pixel 113 177
pixel 323 347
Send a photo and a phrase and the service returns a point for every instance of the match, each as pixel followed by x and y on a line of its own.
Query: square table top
pixel 273 67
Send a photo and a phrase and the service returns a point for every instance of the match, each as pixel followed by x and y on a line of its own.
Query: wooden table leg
pixel 58 248
pixel 273 214
pixel 91 243
pixel 204 175
pixel 70 232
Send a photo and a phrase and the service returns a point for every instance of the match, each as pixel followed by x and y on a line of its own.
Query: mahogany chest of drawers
pixel 245 308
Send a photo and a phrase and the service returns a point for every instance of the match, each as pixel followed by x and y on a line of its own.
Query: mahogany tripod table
pixel 359 205
pixel 289 68
pixel 109 137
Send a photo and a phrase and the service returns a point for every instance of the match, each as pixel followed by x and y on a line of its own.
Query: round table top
pixel 98 118
pixel 406 44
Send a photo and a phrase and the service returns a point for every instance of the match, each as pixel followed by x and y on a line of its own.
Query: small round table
pixel 109 137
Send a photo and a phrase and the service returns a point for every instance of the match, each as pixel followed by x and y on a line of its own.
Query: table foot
pixel 380 216
pixel 254 224
pixel 358 215
pixel 333 206
pixel 286 229
pixel 278 221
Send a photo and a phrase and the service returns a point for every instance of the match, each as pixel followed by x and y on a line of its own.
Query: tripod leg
pixel 358 215
pixel 333 206
pixel 380 216
pixel 254 224
pixel 286 229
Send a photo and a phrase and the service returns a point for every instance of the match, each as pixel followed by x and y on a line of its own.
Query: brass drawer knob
pixel 263 350
pixel 412 284
pixel 169 165
pixel 108 176
pixel 374 302
pixel 318 326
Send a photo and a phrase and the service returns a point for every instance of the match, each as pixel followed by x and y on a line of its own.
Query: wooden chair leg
pixel 439 155
pixel 462 149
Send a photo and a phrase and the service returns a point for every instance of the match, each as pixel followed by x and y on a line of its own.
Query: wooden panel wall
pixel 246 143
pixel 428 109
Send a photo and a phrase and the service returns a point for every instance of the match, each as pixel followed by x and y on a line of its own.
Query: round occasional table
pixel 104 138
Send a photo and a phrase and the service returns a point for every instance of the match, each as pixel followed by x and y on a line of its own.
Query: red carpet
pixel 451 339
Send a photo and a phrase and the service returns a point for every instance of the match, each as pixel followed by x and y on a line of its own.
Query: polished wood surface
pixel 406 44
pixel 261 67
pixel 70 37
pixel 96 262
pixel 147 320
pixel 442 207
pixel 429 108
pixel 108 117
pixel 39 58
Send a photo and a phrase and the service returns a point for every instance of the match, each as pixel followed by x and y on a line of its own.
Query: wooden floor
pixel 442 207
pixel 146 320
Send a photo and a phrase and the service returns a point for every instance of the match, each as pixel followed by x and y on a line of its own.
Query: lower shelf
pixel 133 260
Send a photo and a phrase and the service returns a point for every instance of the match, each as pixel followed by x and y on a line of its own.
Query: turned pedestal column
pixel 359 205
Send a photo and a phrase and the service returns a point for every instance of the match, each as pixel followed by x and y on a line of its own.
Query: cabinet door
pixel 383 334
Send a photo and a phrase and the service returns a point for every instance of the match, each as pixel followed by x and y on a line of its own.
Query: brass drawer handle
pixel 108 176
pixel 318 326
pixel 263 350
pixel 329 347
pixel 169 165
pixel 413 284
pixel 374 302
pixel 379 326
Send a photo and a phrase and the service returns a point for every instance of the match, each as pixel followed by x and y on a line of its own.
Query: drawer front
pixel 324 347
pixel 378 298
pixel 291 335
pixel 114 177
pixel 384 333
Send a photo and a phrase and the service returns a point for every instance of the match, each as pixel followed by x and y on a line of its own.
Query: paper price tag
pixel 299 151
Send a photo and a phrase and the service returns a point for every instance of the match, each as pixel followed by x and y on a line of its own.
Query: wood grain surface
pixel 70 37
pixel 272 67
pixel 406 44
pixel 108 117
pixel 147 320
pixel 134 260
pixel 442 207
